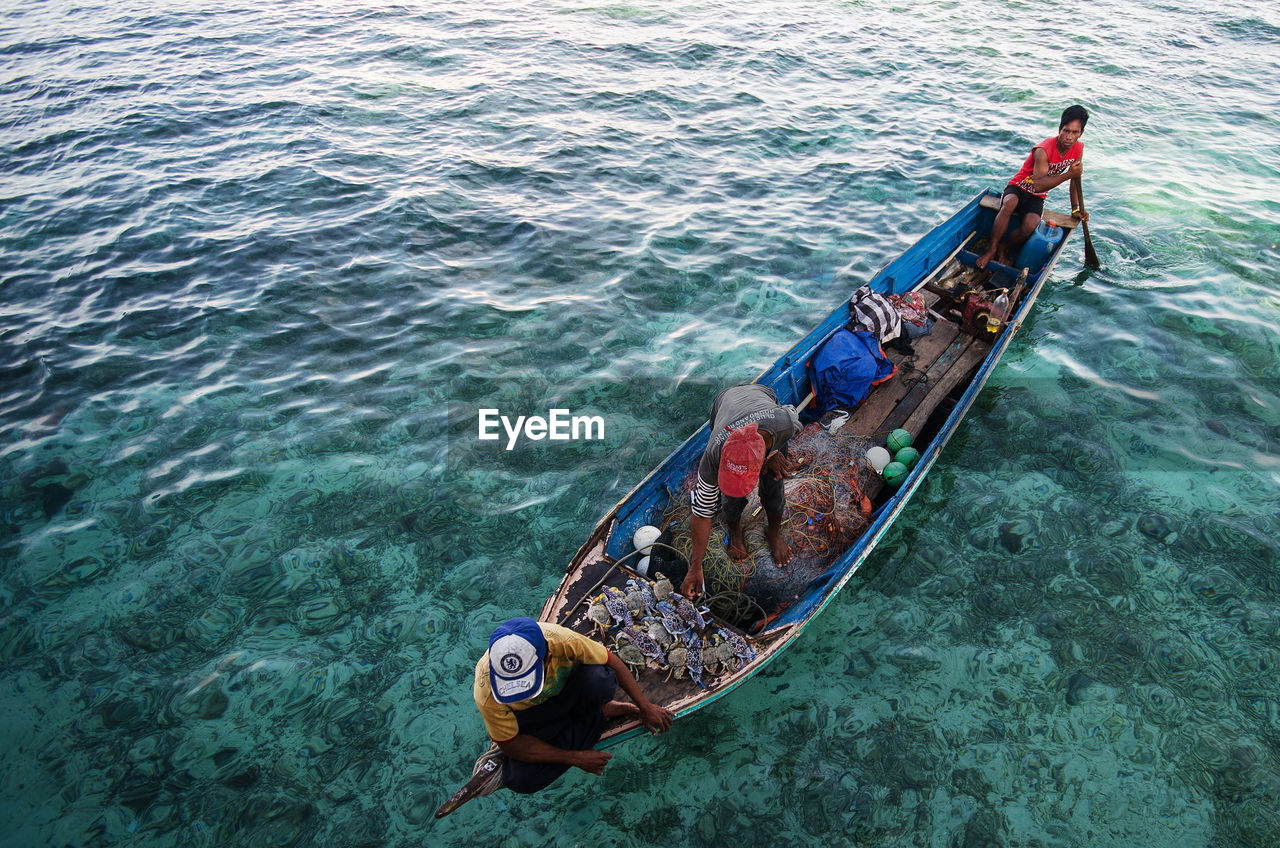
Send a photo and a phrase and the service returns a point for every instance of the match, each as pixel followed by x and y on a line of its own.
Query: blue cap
pixel 517 649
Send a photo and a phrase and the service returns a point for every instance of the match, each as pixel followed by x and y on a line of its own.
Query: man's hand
pixel 592 761
pixel 700 530
pixel 528 748
pixel 693 584
pixel 1076 170
pixel 775 465
pixel 656 718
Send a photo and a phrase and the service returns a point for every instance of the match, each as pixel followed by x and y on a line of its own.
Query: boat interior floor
pixel 926 382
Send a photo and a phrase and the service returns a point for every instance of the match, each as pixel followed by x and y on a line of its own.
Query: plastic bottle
pixel 999 310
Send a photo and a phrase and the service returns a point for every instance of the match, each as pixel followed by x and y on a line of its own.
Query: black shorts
pixel 572 720
pixel 1028 203
pixel 772 497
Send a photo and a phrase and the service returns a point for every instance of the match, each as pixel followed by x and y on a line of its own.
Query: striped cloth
pixel 706 499
pixel 872 311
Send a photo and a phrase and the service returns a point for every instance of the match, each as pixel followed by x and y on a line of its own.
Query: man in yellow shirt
pixel 545 693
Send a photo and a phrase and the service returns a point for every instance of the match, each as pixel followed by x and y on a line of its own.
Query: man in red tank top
pixel 1052 162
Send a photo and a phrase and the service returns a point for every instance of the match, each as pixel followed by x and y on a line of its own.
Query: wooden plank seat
pixel 942 360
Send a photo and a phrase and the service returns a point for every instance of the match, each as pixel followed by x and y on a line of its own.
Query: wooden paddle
pixel 1090 256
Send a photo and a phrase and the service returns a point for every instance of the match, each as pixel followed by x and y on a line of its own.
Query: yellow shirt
pixel 565 649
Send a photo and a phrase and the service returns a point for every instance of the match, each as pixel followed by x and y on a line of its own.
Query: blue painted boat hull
pixel 648 501
pixel 787 377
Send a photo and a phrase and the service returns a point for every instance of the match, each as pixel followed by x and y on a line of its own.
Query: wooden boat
pixel 957 357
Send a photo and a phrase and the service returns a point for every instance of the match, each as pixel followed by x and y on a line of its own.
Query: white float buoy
pixel 879 458
pixel 644 538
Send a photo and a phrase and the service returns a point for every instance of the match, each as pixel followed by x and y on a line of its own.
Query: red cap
pixel 740 461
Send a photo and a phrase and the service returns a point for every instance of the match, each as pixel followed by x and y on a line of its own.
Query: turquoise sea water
pixel 260 265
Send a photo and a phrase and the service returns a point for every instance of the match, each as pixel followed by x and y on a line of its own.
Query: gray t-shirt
pixel 736 407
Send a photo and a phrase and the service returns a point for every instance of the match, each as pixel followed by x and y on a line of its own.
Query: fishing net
pixel 826 511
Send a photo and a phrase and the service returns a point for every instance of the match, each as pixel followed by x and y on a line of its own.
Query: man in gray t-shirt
pixel 749 433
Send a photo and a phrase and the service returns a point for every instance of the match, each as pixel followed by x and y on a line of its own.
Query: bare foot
pixel 780 550
pixel 981 261
pixel 737 546
pixel 620 709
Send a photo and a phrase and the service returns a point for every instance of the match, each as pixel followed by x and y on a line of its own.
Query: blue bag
pixel 845 368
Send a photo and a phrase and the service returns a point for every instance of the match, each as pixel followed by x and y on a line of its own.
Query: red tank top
pixel 1058 164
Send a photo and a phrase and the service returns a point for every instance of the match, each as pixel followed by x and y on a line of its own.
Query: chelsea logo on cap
pixel 517 649
pixel 512 664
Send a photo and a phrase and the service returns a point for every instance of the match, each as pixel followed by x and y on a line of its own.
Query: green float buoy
pixel 908 457
pixel 894 473
pixel 898 440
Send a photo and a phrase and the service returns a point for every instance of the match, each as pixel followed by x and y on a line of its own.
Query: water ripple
pixel 260 272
